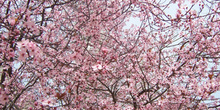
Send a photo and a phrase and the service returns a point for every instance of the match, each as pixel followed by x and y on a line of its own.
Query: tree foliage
pixel 84 54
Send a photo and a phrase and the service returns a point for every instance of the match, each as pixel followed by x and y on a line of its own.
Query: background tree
pixel 80 54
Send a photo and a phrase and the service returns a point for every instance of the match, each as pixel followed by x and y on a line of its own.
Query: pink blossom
pixel 23 43
pixel 11 21
pixel 81 54
pixel 22 55
pixel 4 98
pixel 97 67
pixel 48 102
pixel 105 50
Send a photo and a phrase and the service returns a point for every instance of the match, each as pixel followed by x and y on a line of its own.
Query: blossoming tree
pixel 81 54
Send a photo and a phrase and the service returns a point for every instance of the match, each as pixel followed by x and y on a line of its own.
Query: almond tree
pixel 81 54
